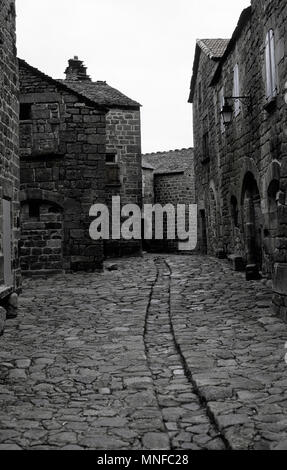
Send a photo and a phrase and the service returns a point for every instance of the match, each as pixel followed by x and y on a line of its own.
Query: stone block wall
pixel 62 145
pixel 124 140
pixel 9 150
pixel 148 185
pixel 242 186
pixel 173 188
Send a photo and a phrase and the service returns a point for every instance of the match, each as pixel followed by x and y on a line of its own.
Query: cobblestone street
pixel 167 352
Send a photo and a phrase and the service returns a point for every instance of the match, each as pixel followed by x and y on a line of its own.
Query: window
pixel 111 158
pixel 236 89
pixel 270 66
pixel 221 104
pixel 34 209
pixel 25 111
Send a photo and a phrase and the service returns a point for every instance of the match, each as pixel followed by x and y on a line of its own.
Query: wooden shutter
pixel 273 63
pixel 268 67
pixel 236 89
pixel 270 64
pixel 221 104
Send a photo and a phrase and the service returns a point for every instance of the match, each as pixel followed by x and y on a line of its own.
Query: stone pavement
pixel 168 352
pixel 234 350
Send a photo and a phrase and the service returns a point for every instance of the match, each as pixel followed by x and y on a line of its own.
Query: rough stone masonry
pixel 240 166
pixel 9 160
pixel 62 147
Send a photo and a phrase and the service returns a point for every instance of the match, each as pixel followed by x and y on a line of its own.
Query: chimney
pixel 76 71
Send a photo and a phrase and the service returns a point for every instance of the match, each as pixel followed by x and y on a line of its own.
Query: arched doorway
pixel 253 226
pixel 41 246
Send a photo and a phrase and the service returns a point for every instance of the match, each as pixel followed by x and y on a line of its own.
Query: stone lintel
pixel 47 97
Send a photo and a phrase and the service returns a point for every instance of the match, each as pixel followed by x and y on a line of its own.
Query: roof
pixel 61 85
pixel 244 18
pixel 214 49
pixel 102 93
pixel 173 161
pixel 147 166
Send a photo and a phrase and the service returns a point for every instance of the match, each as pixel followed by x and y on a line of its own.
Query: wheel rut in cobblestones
pixel 185 417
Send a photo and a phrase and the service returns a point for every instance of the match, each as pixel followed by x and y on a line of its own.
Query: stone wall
pixel 9 152
pixel 62 146
pixel 241 186
pixel 148 185
pixel 168 178
pixel 173 188
pixel 124 177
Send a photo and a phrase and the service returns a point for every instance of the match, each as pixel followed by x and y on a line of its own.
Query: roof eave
pixel 243 20
pixel 198 51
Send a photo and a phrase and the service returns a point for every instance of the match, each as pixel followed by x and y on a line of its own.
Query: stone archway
pixel 252 219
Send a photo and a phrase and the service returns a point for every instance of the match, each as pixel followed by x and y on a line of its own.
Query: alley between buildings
pixel 167 352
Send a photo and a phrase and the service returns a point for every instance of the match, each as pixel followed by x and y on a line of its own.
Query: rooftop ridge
pixel 168 151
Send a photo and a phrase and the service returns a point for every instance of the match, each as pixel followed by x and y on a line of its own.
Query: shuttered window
pixel 221 104
pixel 236 89
pixel 270 66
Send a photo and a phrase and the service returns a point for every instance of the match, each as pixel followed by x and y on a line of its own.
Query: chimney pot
pixel 76 71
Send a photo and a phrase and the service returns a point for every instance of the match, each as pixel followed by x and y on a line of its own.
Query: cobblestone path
pixel 167 352
pixel 234 349
pixel 185 419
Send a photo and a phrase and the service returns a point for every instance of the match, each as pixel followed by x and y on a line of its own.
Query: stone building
pixel 9 162
pixel 123 145
pixel 168 178
pixel 62 149
pixel 240 137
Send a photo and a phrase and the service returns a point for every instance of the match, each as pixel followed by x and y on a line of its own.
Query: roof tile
pixel 173 161
pixel 213 48
pixel 101 93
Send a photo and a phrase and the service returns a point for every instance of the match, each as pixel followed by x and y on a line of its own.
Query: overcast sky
pixel 144 48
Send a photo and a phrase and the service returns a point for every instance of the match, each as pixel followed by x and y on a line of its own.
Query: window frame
pixel 115 158
pixel 221 99
pixel 271 78
pixel 236 89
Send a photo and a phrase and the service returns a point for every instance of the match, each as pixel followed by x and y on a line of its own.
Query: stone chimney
pixel 76 71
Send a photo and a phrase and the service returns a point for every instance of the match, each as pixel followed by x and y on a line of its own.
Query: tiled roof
pixel 101 93
pixel 245 16
pixel 213 48
pixel 61 84
pixel 173 161
pixel 147 166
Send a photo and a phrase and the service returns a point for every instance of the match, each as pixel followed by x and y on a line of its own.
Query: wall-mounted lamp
pixel 227 110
